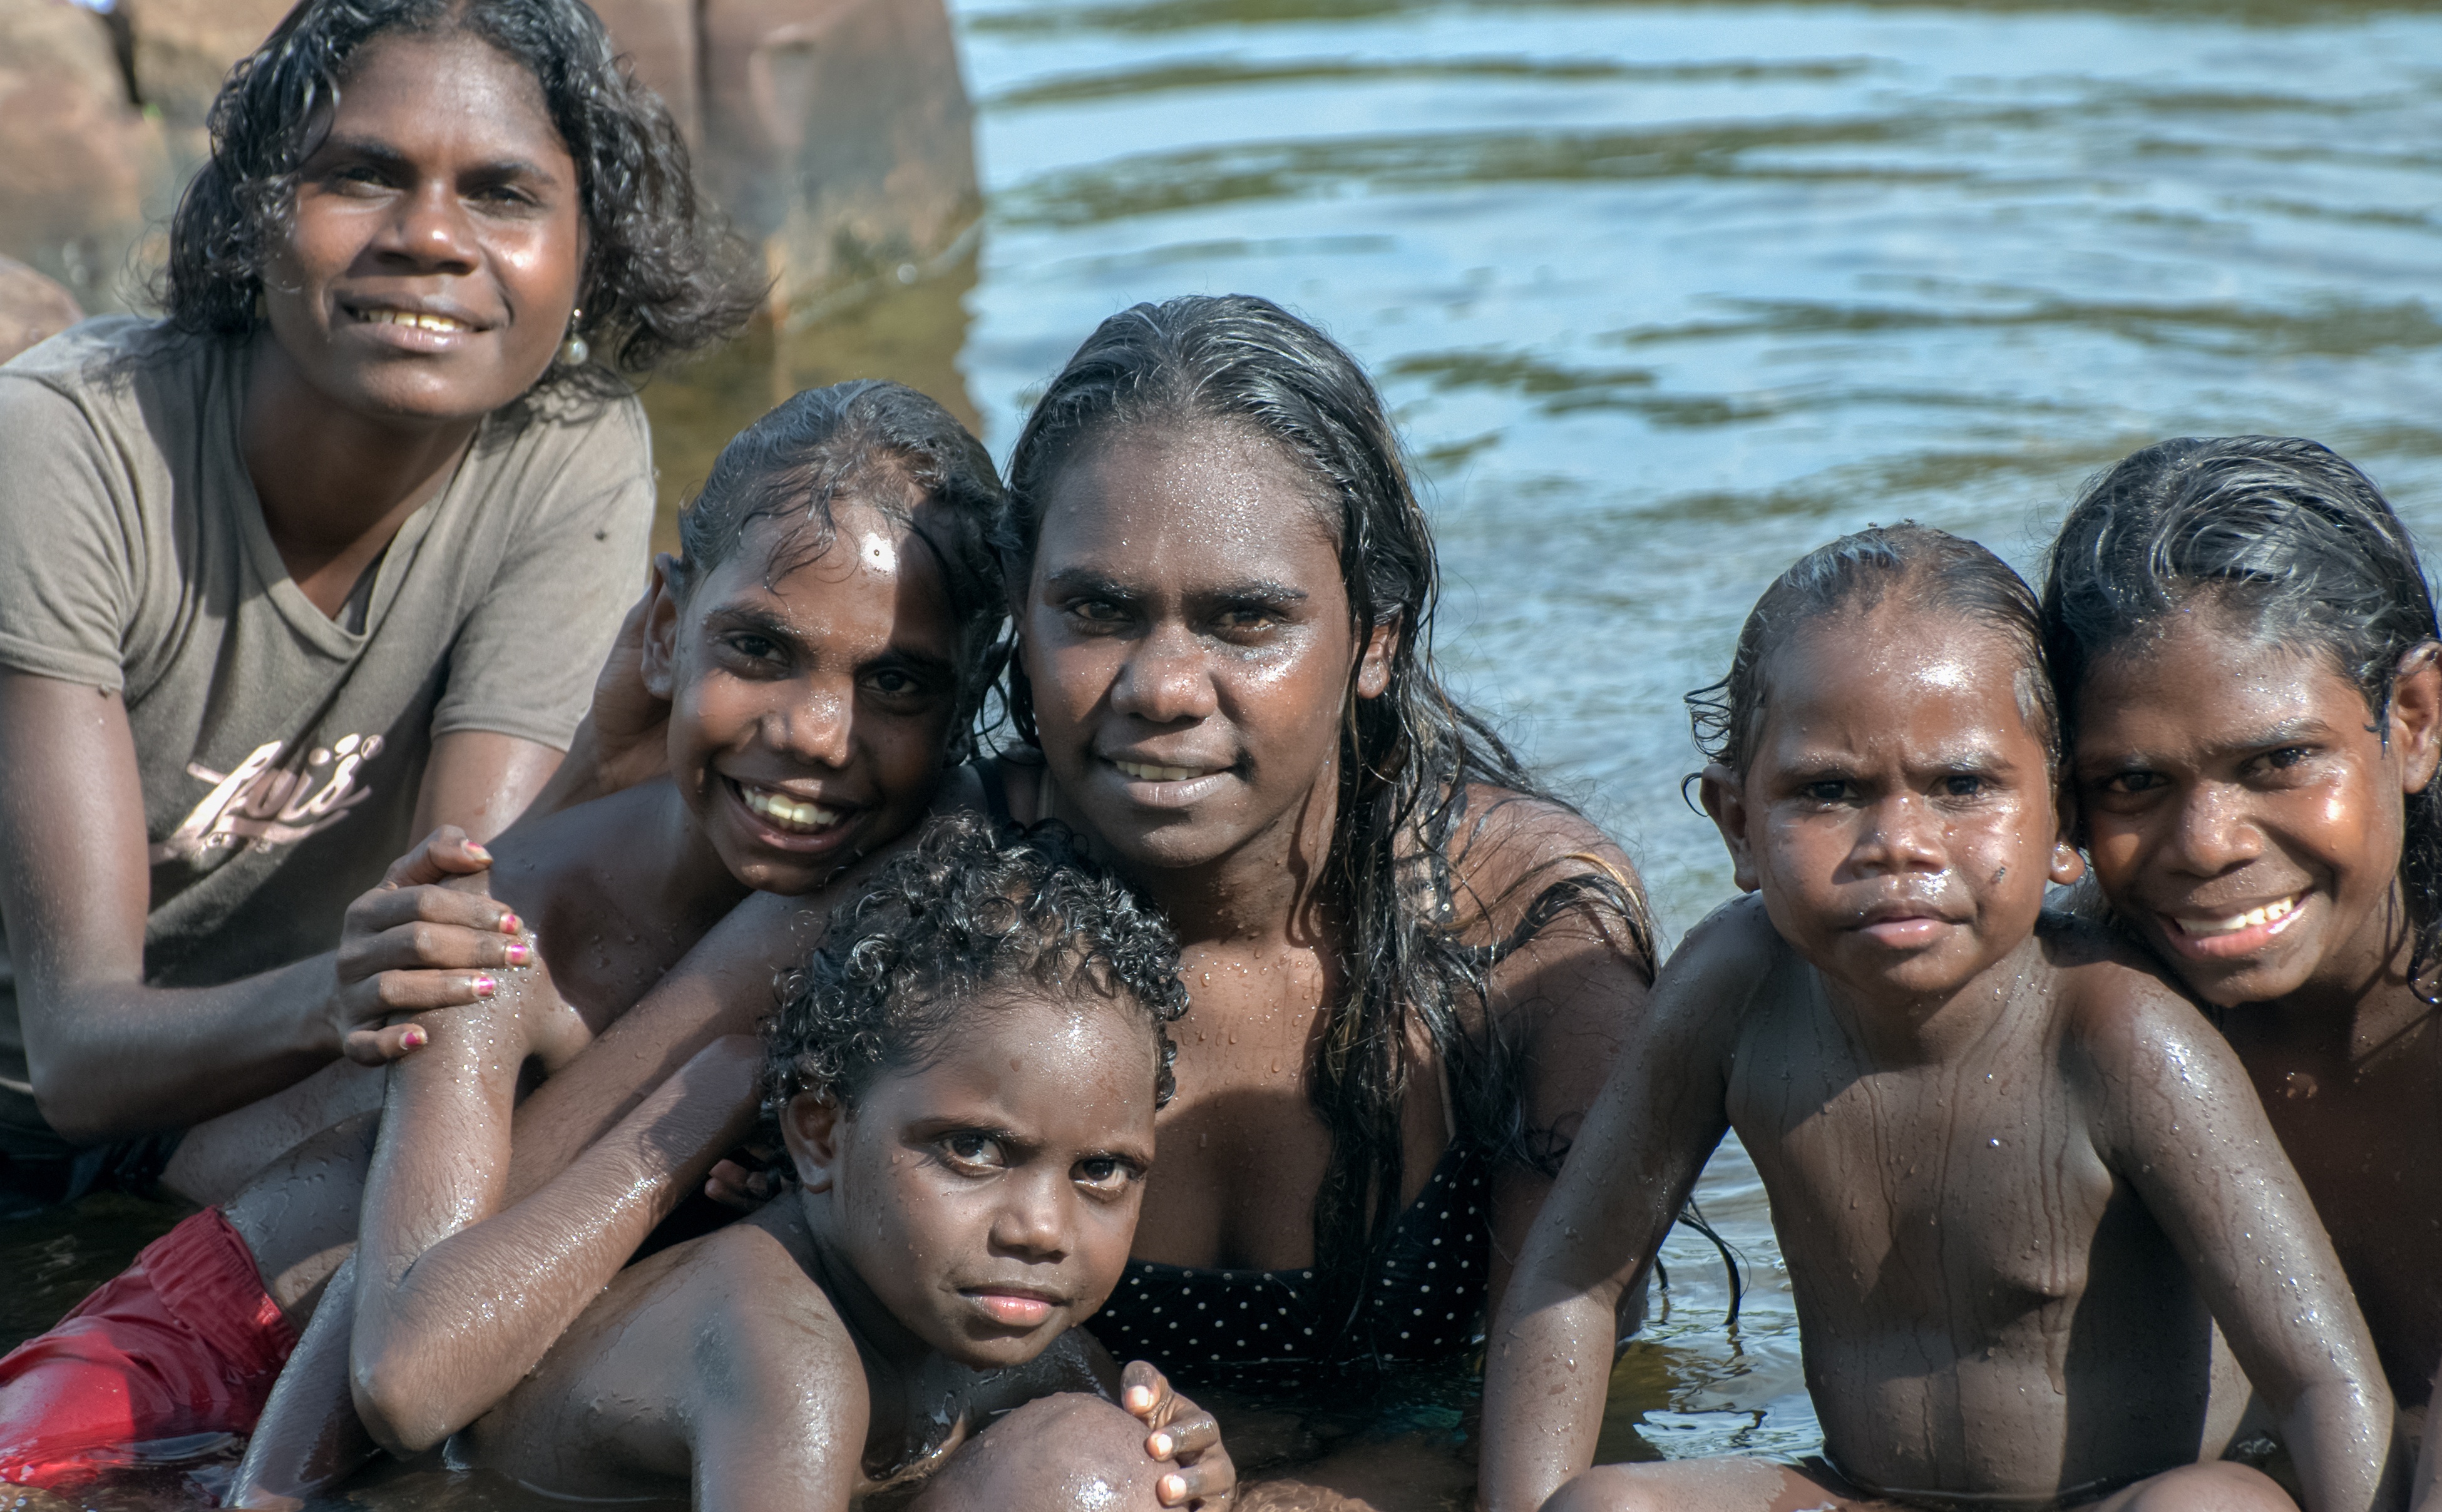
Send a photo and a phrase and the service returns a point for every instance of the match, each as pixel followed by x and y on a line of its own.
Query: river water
pixel 1664 295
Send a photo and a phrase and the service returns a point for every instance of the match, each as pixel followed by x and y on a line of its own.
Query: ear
pixel 1373 666
pixel 1725 798
pixel 659 659
pixel 2416 716
pixel 811 1126
pixel 2069 863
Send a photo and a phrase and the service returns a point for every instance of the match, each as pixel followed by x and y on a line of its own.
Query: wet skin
pixel 812 675
pixel 950 1229
pixel 2014 1176
pixel 1187 636
pixel 2219 776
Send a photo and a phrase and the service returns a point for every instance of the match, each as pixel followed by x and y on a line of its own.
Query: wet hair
pixel 2287 536
pixel 887 446
pixel 1926 568
pixel 1405 758
pixel 661 277
pixel 970 912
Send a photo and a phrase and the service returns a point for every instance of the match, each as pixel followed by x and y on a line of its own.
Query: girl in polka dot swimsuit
pixel 1409 966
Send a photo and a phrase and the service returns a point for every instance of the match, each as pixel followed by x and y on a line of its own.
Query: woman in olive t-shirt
pixel 327 557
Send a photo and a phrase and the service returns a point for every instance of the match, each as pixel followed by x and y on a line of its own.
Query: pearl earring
pixel 573 351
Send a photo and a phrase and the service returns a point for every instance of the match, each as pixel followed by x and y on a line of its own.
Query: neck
pixel 2364 996
pixel 1895 1031
pixel 888 1347
pixel 334 485
pixel 1266 891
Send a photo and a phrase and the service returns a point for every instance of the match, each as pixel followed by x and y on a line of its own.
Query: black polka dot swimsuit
pixel 1264 1330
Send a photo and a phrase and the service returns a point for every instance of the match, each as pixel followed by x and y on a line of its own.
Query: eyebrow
pixel 1250 591
pixel 378 150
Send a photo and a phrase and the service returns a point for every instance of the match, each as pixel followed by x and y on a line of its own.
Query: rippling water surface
pixel 1665 294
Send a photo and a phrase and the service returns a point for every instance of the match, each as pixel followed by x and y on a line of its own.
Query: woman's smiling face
pixel 2243 808
pixel 434 258
pixel 1187 638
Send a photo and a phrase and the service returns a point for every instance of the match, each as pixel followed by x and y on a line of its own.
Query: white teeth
pixel 1144 773
pixel 422 322
pixel 788 813
pixel 2253 919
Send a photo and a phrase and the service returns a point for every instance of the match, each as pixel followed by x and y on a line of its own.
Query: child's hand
pixel 629 726
pixel 411 944
pixel 744 1181
pixel 1184 1434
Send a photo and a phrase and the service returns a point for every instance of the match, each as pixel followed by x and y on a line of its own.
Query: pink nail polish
pixel 519 952
pixel 478 853
pixel 485 987
pixel 413 1039
pixel 511 923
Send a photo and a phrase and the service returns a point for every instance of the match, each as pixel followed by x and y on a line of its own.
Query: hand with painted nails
pixel 414 943
pixel 1183 1435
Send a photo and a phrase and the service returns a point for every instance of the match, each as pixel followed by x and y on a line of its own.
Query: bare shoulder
pixel 2124 1021
pixel 1509 850
pixel 1732 956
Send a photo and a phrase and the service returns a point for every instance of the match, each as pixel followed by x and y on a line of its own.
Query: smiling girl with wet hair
pixel 339 544
pixel 2246 646
pixel 1410 966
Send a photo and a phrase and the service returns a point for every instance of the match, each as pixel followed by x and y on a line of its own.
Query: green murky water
pixel 1665 294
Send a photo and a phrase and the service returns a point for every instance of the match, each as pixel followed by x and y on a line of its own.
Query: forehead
pixel 876 572
pixel 448 93
pixel 1902 673
pixel 2206 676
pixel 1185 504
pixel 1079 1066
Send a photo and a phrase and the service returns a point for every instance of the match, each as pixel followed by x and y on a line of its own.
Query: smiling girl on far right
pixel 2245 649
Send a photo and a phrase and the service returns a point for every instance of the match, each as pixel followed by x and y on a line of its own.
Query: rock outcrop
pixel 836 134
pixel 32 308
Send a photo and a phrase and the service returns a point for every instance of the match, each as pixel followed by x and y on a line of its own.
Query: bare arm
pixel 481 780
pixel 1547 1362
pixel 2183 1127
pixel 465 1287
pixel 75 886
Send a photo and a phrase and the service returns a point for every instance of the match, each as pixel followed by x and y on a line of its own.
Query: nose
pixel 815 727
pixel 429 232
pixel 1166 679
pixel 1033 1221
pixel 1902 834
pixel 2212 833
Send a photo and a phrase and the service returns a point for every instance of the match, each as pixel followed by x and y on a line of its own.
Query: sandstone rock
pixel 658 39
pixel 32 308
pixel 184 48
pixel 80 167
pixel 838 133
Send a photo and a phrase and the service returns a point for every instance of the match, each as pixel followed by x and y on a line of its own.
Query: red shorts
pixel 185 1341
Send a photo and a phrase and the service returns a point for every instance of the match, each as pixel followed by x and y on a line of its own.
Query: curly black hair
pixel 661 277
pixel 2291 537
pixel 969 909
pixel 1407 758
pixel 879 442
pixel 1925 566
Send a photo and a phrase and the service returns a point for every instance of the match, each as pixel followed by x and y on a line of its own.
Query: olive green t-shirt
pixel 280 750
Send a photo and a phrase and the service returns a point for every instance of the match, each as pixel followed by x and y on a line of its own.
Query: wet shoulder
pixel 1509 849
pixel 2119 1013
pixel 1732 963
